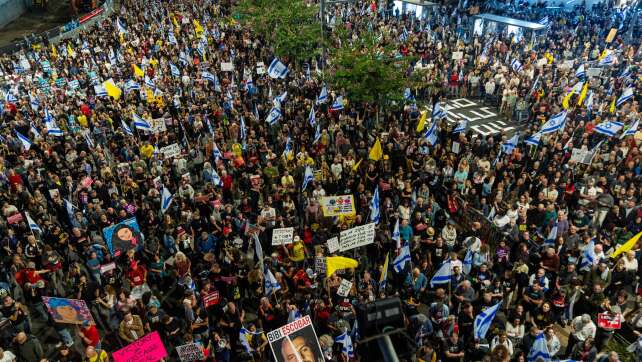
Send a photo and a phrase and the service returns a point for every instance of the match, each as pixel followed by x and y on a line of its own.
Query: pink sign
pixel 149 348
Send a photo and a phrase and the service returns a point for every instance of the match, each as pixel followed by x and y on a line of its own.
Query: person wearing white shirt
pixel 503 340
pixel 582 327
pixel 7 356
pixel 552 342
pixel 269 215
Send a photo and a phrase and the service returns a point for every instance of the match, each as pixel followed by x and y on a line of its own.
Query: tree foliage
pixel 291 27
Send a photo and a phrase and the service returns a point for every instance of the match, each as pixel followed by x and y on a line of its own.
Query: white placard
pixel 260 68
pixel 344 288
pixel 158 125
pixel 457 55
pixel 173 150
pixel 320 265
pixel 580 155
pixel 282 236
pixel 333 244
pixel 357 236
pixel 227 67
pixel 455 148
pixel 542 62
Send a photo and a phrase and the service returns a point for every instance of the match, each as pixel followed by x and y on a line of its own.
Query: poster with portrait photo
pixel 123 236
pixel 72 311
pixel 296 342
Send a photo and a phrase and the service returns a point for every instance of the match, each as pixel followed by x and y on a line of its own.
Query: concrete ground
pixel 36 21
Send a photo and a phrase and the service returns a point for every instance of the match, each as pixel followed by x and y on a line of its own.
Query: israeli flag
pixel 258 249
pixel 271 285
pixel 126 128
pixel 399 264
pixel 208 76
pixel 609 128
pixel 100 90
pixel 346 345
pixel 217 153
pixel 355 333
pixel 243 334
pixel 90 142
pixel 443 274
pixel 166 199
pixel 288 147
pixel 626 72
pixel 580 72
pixel 34 102
pixel 338 104
pixel 431 134
pixel 131 86
pixel 589 257
pixel 216 179
pixel 407 95
pixel 70 208
pixel 308 177
pixel 273 116
pixel 26 143
pixel 149 82
pixel 182 57
pixel 607 60
pixel 396 235
pixel 631 130
pixel 172 38
pixel 539 350
pixel 34 130
pixel 534 139
pixel 278 101
pixel 174 69
pixel 509 145
pixel 461 126
pixel 277 69
pixel 467 264
pixel 323 96
pixel 53 129
pixel 552 236
pixel 312 117
pixel 438 112
pixel 554 123
pixel 404 35
pixel 141 124
pixel 375 211
pixel 10 98
pixel 626 95
pixel 317 133
pixel 32 224
pixel 120 26
pixel 113 60
pixel 588 102
pixel 544 21
pixel 484 320
pixel 516 65
pixel 243 129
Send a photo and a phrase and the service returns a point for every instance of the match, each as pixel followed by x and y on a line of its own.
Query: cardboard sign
pixel 344 288
pixel 227 67
pixel 190 352
pixel 123 236
pixel 609 321
pixel 282 236
pixel 287 341
pixel 338 205
pixel 457 55
pixel 14 219
pixel 260 68
pixel 148 348
pixel 320 266
pixel 611 36
pixel 69 311
pixel 357 236
pixel 210 298
pixel 173 150
pixel 107 267
pixel 158 125
pixel 333 244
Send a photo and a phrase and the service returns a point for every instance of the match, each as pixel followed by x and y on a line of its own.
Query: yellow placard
pixel 338 205
pixel 611 36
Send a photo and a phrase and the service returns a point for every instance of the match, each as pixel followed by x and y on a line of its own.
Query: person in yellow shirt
pixel 82 120
pixel 96 355
pixel 147 150
pixel 297 251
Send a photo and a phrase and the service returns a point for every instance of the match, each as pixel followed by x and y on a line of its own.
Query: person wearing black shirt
pixel 231 323
pixel 465 321
pixel 453 349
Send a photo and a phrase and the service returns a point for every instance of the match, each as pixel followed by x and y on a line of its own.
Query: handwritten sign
pixel 338 205
pixel 344 288
pixel 282 236
pixel 173 150
pixel 149 348
pixel 260 68
pixel 333 244
pixel 157 125
pixel 320 266
pixel 190 352
pixel 227 67
pixel 357 236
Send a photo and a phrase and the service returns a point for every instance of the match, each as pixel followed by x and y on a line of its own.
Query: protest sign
pixel 319 265
pixel 344 288
pixel 157 125
pixel 123 236
pixel 333 244
pixel 611 36
pixel 296 341
pixel 579 155
pixel 282 236
pixel 227 67
pixel 107 267
pixel 210 298
pixel 609 321
pixel 457 55
pixel 260 68
pixel 190 352
pixel 338 205
pixel 71 311
pixel 357 236
pixel 14 219
pixel 148 348
pixel 173 150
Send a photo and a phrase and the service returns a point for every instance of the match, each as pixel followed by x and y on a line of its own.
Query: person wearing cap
pixel 89 335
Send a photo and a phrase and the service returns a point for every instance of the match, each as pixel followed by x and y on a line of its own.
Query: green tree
pixel 291 27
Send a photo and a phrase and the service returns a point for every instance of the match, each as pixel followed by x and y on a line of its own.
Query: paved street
pixel 483 120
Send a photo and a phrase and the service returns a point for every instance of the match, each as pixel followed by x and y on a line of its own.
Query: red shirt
pixel 91 333
pixel 137 277
pixel 227 182
pixel 85 110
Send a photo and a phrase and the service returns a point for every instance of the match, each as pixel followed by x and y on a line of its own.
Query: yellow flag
pixel 149 95
pixel 54 51
pixel 355 168
pixel 627 246
pixel 550 57
pixel 137 71
pixel 121 37
pixel 175 22
pixel 566 99
pixel 198 29
pixel 612 107
pixel 376 152
pixel 339 262
pixel 422 121
pixel 384 272
pixel 112 89
pixel 603 55
pixel 70 51
pixel 583 94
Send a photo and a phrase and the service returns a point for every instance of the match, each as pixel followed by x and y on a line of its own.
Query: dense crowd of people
pixel 77 160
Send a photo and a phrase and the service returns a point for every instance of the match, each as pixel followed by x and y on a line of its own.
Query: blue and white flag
pixel 243 338
pixel 355 333
pixel 216 152
pixel 534 139
pixel 53 129
pixel 607 60
pixel 131 85
pixel 375 211
pixel 216 179
pixel 580 72
pixel 467 263
pixel 544 21
pixel 438 112
pixel 396 235
pixel 338 104
pixel 278 101
pixel 172 38
pixel 34 130
pixel 626 72
pixel 404 35
pixel 149 82
pixel 273 116
pixel 554 123
pixel 166 199
pixel 399 264
pixel 317 133
pixel 461 126
pixel 509 145
pixel 626 95
pixel 90 142
pixel 174 70
pixel 588 257
pixel 70 208
pixel 141 124
pixel 443 274
pixel 100 90
pixel 120 26
pixel 346 345
pixel 312 117
pixel 277 69
pixel 516 65
pixel 32 224
pixel 10 98
pixel 588 102
pixel 34 102
pixel 609 128
pixel 631 130
pixel 258 248
pixel 407 95
pixel 539 350
pixel 484 320
pixel 243 129
pixel 431 134
pixel 287 152
pixel 271 284
pixel 74 84
pixel 552 236
pixel 308 176
pixel 126 128
pixel 323 96
pixel 26 143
